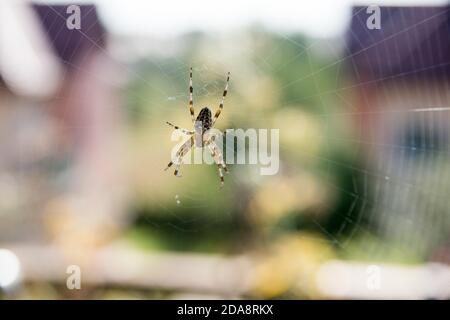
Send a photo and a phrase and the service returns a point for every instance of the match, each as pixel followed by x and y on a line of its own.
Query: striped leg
pixel 222 101
pixel 191 99
pixel 217 154
pixel 184 149
pixel 218 159
pixel 185 131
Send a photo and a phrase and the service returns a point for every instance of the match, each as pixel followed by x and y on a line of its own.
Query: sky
pixel 317 18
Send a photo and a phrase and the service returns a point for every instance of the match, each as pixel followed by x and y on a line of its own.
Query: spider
pixel 200 137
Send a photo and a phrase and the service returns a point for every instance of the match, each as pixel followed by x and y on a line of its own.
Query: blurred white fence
pixel 224 276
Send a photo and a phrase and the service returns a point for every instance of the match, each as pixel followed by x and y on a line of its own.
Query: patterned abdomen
pixel 205 118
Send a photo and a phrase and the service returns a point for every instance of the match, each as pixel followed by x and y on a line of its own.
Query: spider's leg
pixel 219 167
pixel 217 154
pixel 191 99
pixel 179 161
pixel 177 167
pixel 168 165
pixel 218 159
pixel 180 154
pixel 185 131
pixel 222 101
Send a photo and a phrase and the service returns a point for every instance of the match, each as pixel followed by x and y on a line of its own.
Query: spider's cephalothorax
pixel 202 123
pixel 204 119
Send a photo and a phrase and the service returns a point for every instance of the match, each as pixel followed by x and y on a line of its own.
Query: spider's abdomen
pixel 205 118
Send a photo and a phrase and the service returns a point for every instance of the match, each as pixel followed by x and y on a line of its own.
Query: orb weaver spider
pixel 201 137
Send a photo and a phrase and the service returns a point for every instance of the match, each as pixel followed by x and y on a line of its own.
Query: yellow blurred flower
pixel 301 132
pixel 280 196
pixel 78 227
pixel 290 266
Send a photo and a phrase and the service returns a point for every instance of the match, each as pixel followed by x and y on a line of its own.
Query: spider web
pixel 399 194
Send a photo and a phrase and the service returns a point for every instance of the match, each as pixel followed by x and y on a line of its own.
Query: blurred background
pixel 359 207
